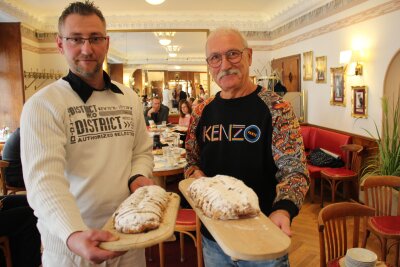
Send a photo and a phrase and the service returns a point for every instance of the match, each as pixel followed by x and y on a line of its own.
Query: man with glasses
pixel 85 148
pixel 249 133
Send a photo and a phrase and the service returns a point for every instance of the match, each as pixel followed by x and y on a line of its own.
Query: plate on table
pixel 252 239
pixel 150 238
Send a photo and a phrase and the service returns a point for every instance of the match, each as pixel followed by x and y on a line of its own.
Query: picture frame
pixel 308 66
pixel 320 69
pixel 338 85
pixel 359 101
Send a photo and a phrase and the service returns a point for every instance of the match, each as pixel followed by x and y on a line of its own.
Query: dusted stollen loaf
pixel 224 197
pixel 141 211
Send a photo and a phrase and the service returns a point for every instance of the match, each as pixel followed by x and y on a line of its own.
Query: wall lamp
pixel 349 56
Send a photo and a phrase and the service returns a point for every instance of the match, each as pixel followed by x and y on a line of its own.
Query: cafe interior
pixel 339 61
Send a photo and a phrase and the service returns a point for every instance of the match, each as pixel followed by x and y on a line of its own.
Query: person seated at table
pixel 18 223
pixel 12 154
pixel 191 100
pixel 196 102
pixel 184 110
pixel 157 112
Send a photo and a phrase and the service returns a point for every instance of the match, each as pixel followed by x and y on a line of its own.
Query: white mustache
pixel 228 72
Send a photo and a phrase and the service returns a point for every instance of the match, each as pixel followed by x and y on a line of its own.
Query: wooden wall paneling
pixel 117 72
pixel 288 69
pixel 138 76
pixel 11 75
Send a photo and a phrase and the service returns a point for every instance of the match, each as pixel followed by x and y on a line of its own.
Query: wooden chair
pixel 5 246
pixel 7 189
pixel 385 224
pixel 186 222
pixel 336 222
pixel 349 173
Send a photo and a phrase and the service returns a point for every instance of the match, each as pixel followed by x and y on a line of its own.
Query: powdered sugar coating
pixel 142 210
pixel 224 197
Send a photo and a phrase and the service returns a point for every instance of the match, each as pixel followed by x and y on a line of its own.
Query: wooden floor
pixel 304 250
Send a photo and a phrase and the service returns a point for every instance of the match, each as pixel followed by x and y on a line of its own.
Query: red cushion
pixel 314 171
pixel 334 263
pixel 186 217
pixel 387 224
pixel 338 172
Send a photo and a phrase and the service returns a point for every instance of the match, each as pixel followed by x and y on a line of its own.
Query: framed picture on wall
pixel 359 101
pixel 320 69
pixel 308 66
pixel 338 87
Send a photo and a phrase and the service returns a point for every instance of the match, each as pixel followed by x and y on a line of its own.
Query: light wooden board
pixel 255 238
pixel 143 240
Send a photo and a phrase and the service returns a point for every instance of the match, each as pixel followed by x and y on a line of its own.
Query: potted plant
pixel 387 159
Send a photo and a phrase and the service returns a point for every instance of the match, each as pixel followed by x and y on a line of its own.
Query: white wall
pixel 383 40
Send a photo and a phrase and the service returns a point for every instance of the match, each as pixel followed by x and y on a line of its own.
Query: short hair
pixel 156 97
pixel 226 31
pixel 81 8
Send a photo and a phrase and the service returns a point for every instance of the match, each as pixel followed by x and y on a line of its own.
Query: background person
pixel 81 136
pixel 12 154
pixel 264 149
pixel 18 223
pixel 157 112
pixel 184 111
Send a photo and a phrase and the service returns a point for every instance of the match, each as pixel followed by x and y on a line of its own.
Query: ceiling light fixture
pixel 173 50
pixel 165 38
pixel 155 2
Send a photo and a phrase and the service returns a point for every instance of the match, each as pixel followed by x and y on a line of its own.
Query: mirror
pixel 148 65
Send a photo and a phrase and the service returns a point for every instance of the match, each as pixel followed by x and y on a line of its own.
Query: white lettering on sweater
pixel 94 122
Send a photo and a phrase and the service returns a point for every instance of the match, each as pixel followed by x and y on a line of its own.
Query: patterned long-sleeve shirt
pixel 255 138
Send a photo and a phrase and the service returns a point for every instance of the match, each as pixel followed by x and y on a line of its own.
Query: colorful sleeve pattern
pixel 288 150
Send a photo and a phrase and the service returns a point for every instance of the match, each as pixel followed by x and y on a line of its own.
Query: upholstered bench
pixel 313 138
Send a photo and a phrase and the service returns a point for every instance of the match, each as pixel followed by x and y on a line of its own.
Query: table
pixel 161 170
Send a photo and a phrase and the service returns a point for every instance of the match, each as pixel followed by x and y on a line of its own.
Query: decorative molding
pixel 39 50
pixel 329 9
pixel 315 15
pixel 37 36
pixel 339 24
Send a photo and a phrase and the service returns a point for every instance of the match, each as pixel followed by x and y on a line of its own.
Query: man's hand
pixel 281 218
pixel 85 244
pixel 151 110
pixel 197 174
pixel 139 182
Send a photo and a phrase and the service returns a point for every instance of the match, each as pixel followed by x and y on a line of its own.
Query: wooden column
pixel 117 72
pixel 12 94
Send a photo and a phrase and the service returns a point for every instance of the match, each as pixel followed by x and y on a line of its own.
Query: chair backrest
pixel 378 192
pixel 353 156
pixel 3 166
pixel 337 222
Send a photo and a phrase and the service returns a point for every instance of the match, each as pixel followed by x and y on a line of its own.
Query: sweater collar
pixel 84 90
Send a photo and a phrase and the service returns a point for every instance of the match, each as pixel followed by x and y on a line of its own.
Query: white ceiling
pixel 138 48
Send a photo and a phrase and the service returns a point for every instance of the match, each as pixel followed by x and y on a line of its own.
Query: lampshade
pixel 155 2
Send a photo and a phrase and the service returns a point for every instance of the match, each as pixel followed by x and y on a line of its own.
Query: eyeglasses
pixel 233 56
pixel 79 41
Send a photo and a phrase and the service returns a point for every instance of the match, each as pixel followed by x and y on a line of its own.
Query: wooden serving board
pixel 143 240
pixel 256 238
